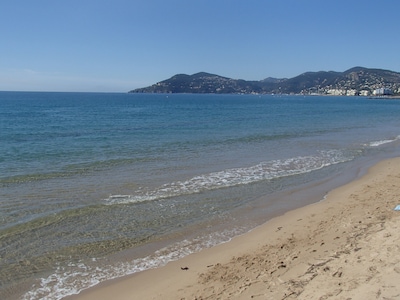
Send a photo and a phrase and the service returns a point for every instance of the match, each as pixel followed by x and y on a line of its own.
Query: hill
pixel 355 81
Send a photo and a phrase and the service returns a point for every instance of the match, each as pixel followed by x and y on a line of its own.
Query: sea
pixel 96 186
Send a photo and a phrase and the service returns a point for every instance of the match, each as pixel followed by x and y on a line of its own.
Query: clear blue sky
pixel 119 45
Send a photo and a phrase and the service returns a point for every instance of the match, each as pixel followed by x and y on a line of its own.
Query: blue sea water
pixel 96 186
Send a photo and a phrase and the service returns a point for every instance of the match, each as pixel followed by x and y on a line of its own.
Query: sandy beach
pixel 344 247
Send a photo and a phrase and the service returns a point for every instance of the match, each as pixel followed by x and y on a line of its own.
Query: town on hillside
pixel 357 81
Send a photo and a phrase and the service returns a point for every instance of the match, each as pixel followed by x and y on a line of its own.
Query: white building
pixel 336 92
pixel 351 93
pixel 382 92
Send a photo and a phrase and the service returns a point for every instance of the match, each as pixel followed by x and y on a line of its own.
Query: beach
pixel 343 247
pixel 97 189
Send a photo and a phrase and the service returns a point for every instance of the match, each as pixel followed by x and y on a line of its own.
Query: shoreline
pixel 343 246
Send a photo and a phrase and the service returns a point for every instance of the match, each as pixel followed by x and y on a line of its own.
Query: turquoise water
pixel 96 186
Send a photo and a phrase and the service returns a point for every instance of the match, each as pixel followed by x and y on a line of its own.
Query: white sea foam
pixel 382 142
pixel 73 278
pixel 237 176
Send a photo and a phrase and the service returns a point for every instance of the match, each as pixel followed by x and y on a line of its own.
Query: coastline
pixel 344 247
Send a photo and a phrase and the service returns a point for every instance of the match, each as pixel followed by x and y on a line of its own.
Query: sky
pixel 120 45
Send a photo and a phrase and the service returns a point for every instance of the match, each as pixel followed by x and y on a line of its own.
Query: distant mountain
pixel 202 83
pixel 273 80
pixel 355 81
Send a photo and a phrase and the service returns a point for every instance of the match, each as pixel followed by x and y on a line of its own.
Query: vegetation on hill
pixel 355 81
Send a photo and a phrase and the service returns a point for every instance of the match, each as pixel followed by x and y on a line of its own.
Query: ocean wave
pixel 71 279
pixel 236 176
pixel 69 170
pixel 382 142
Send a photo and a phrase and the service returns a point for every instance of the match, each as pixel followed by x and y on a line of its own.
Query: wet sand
pixel 344 247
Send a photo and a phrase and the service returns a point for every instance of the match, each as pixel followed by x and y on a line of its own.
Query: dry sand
pixel 345 247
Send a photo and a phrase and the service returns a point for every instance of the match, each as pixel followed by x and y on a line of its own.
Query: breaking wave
pixel 382 142
pixel 236 176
